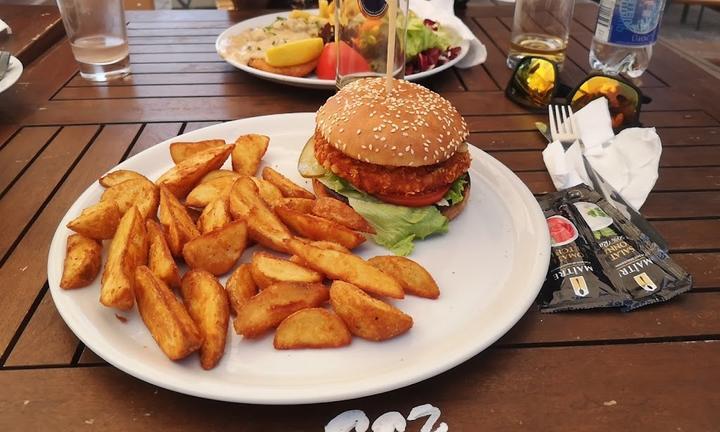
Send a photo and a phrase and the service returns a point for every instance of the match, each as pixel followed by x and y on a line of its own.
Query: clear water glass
pixel 541 29
pixel 98 37
pixel 361 33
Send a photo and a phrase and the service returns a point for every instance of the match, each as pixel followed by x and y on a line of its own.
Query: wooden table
pixel 654 369
pixel 34 30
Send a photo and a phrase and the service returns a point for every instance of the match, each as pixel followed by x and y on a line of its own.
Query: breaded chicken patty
pixel 387 180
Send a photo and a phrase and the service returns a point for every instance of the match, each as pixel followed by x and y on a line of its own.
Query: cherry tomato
pixel 352 61
pixel 417 200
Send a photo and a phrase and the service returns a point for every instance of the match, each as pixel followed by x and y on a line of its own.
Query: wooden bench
pixel 715 4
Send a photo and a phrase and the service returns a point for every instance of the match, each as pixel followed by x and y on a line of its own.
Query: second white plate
pixel 309 81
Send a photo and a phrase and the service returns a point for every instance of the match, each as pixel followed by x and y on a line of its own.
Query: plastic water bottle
pixel 624 36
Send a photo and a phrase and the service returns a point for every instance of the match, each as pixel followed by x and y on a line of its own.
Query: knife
pixel 600 185
pixel 4 63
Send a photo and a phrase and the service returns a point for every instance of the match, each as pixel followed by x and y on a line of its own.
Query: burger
pixel 399 159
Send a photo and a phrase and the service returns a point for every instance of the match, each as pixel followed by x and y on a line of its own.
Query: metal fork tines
pixel 562 124
pixel 4 63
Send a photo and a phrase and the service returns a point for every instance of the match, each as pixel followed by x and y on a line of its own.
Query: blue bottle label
pixel 629 22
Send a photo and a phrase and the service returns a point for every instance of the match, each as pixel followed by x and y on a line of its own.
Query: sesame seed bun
pixel 412 127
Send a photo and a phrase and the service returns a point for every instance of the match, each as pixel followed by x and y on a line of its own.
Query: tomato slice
pixel 417 200
pixel 351 61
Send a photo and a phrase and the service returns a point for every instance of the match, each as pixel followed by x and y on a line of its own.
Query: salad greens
pixel 425 34
pixel 396 226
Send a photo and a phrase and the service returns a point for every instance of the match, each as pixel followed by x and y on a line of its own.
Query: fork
pixel 563 127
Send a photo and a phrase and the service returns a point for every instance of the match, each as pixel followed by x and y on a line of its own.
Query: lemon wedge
pixel 294 52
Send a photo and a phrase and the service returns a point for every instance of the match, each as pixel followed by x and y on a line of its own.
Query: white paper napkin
pixel 442 12
pixel 627 161
pixel 4 28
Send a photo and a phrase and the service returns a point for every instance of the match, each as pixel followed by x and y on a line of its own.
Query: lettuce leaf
pixel 421 37
pixel 396 226
pixel 455 194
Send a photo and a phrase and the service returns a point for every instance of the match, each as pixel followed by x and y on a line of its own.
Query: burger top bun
pixel 412 127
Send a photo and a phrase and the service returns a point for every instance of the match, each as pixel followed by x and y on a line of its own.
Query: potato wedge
pixel 83 258
pixel 217 251
pixel 205 193
pixel 240 287
pixel 184 176
pixel 312 328
pixel 160 259
pixel 267 191
pixel 275 303
pixel 317 228
pixel 346 267
pixel 138 192
pixel 249 151
pixel 267 269
pixel 215 215
pixel 215 174
pixel 263 225
pixel 179 151
pixel 329 245
pixel 412 276
pixel 320 190
pixel 128 250
pixel 367 317
pixel 286 186
pixel 119 176
pixel 207 303
pixel 98 221
pixel 302 205
pixel 338 211
pixel 179 226
pixel 322 244
pixel 164 315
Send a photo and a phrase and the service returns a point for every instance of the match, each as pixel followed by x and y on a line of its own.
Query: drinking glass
pixel 361 36
pixel 540 29
pixel 96 30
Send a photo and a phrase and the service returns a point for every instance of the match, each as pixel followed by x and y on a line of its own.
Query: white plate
pixel 489 267
pixel 12 75
pixel 311 81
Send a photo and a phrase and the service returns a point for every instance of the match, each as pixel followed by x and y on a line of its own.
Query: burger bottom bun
pixel 450 212
pixel 453 211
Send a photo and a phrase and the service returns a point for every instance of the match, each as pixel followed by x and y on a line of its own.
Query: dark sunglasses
pixel 534 84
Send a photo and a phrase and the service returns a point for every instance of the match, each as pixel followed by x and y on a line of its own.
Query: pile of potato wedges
pixel 169 240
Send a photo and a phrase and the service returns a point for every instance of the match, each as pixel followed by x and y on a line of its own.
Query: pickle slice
pixel 308 166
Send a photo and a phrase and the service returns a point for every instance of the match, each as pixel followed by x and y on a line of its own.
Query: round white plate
pixel 489 267
pixel 310 81
pixel 13 73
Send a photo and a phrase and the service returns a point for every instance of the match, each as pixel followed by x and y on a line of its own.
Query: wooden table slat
pixel 161 68
pixel 168 49
pixel 28 193
pixel 24 146
pixel 46 340
pixel 170 40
